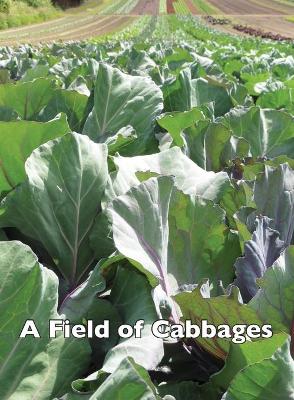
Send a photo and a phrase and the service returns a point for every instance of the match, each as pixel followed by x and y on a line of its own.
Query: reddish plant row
pixel 260 33
pixel 192 7
pixel 217 21
pixel 170 7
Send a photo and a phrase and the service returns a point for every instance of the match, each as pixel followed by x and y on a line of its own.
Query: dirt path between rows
pixel 281 7
pixel 193 9
pixel 269 24
pixel 252 7
pixel 72 27
pixel 146 7
pixel 266 15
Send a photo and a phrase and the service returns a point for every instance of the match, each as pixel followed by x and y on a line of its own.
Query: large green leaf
pixel 239 195
pixel 181 390
pixel 269 132
pixel 70 102
pixel 131 295
pixel 176 227
pixel 227 309
pixel 38 71
pixel 279 99
pixel 199 235
pixel 138 62
pixel 101 237
pixel 189 178
pixel 122 100
pixel 260 253
pixel 130 300
pixel 274 300
pixel 8 114
pixel 129 381
pixel 283 67
pixel 177 121
pixel 274 197
pixel 121 141
pixel 143 236
pixel 205 143
pixel 18 140
pixel 77 304
pixel 210 145
pixel 269 379
pixel 100 311
pixel 185 93
pixel 27 98
pixel 252 168
pixel 254 80
pixel 59 200
pixel 33 367
pixel 239 357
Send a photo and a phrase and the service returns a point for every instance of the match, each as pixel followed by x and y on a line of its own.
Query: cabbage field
pixel 147 176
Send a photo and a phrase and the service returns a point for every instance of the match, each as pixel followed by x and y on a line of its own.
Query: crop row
pixel 148 176
pixel 181 7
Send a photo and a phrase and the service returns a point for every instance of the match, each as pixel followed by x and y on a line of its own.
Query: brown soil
pixel 66 29
pixel 266 15
pixel 107 26
pixel 257 32
pixel 252 7
pixel 170 7
pixel 273 24
pixel 280 7
pixel 193 9
pixel 146 7
pixel 276 24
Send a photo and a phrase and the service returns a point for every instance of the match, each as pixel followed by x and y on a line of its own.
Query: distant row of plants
pixel 6 5
pixel 14 13
pixel 147 178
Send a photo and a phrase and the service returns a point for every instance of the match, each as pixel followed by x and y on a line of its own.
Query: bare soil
pixel 193 9
pixel 65 29
pixel 252 7
pixel 274 24
pixel 266 15
pixel 146 7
